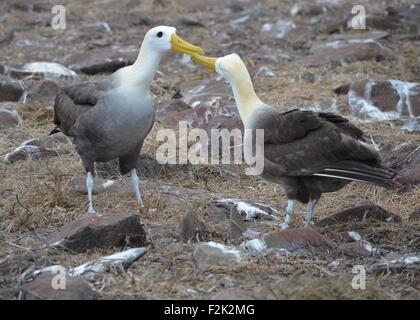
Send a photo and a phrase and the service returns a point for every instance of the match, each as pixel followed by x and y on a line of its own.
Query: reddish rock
pixel 364 211
pixel 8 119
pixel 358 249
pixel 299 239
pixel 43 92
pixel 190 228
pixel 169 107
pixel 10 89
pixel 101 60
pixel 99 231
pixel 212 254
pixel 384 99
pixel 237 224
pixel 194 118
pixel 404 158
pixel 42 289
pixel 28 151
pixel 337 53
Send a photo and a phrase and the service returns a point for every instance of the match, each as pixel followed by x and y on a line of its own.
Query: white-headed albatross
pixel 111 118
pixel 307 153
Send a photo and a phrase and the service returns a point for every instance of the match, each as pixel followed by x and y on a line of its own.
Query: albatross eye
pixel 160 34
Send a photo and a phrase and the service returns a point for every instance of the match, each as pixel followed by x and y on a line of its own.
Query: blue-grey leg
pixel 135 181
pixel 289 214
pixel 89 185
pixel 310 210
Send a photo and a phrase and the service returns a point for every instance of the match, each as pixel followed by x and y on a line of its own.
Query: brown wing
pixel 72 102
pixel 305 143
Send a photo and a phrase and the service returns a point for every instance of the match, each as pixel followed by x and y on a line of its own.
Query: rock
pixel 359 36
pixel 212 254
pixel 43 92
pixel 404 158
pixel 99 231
pixel 358 249
pixel 91 268
pixel 11 89
pixel 207 93
pixel 173 105
pixel 42 289
pixel 237 224
pixel 303 241
pixel 28 151
pixel 361 212
pixel 337 53
pixel 384 99
pixel 286 29
pixel 105 60
pixel 191 228
pixel 160 234
pixel 249 210
pixel 415 216
pixel 404 263
pixel 9 119
pixel 193 117
pixel 46 70
pixel 17 135
pixel 78 184
pixel 411 126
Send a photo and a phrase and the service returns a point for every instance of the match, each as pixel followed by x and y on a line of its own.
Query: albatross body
pixel 111 118
pixel 307 153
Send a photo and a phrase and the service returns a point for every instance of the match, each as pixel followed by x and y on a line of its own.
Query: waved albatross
pixel 110 119
pixel 307 153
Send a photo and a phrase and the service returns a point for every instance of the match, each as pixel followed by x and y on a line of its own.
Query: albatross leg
pixel 289 213
pixel 89 185
pixel 310 210
pixel 135 181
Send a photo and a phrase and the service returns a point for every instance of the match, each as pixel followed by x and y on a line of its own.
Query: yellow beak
pixel 208 62
pixel 180 45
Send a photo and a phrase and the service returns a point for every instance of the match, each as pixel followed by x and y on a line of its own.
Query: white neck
pixel 141 73
pixel 245 97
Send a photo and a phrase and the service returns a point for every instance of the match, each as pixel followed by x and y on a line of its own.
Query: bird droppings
pixel 47 70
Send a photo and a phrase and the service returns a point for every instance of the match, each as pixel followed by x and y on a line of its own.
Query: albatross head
pixel 163 39
pixel 230 67
pixel 233 69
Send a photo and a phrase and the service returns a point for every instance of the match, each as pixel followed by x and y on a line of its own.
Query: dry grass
pixel 37 198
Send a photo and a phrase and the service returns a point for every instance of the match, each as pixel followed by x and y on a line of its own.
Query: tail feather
pixel 355 171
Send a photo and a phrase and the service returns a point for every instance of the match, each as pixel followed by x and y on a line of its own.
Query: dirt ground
pixel 36 197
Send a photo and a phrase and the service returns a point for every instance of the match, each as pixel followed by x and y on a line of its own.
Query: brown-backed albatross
pixel 307 153
pixel 110 119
